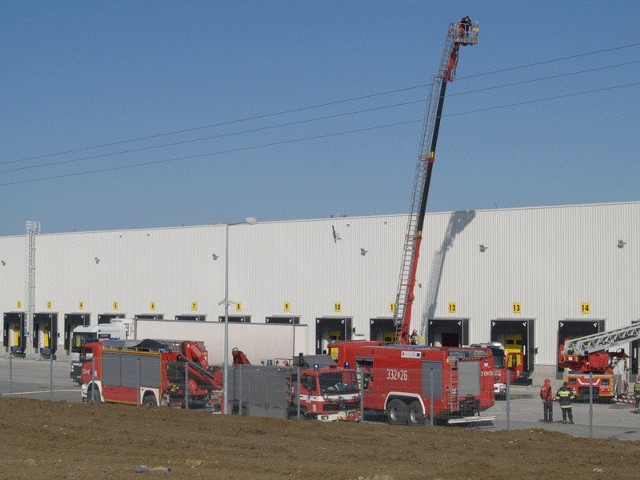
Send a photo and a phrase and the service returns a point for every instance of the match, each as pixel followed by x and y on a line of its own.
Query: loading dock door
pixel 71 321
pixel 107 317
pixel 511 333
pixel 448 333
pixel 282 320
pixel 45 333
pixel 13 337
pixel 330 329
pixel 576 329
pixel 382 330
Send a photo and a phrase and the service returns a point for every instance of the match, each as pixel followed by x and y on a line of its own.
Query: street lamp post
pixel 225 367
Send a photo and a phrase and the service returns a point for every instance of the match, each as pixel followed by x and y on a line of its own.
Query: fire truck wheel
pixel 415 415
pixel 149 400
pixel 397 412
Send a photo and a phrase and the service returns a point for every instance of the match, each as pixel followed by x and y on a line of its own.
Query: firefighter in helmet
pixel 565 396
pixel 414 337
pixel 239 358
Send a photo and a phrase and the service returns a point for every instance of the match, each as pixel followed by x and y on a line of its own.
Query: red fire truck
pixel 588 365
pixel 411 383
pixel 155 372
pixel 151 372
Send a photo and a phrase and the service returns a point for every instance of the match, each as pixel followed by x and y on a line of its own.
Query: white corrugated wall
pixel 550 260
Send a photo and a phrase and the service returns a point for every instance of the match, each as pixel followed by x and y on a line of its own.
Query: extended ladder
pixel 602 341
pixel 460 33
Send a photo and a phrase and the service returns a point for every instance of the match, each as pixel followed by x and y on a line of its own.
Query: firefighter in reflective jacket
pixel 565 396
pixel 546 394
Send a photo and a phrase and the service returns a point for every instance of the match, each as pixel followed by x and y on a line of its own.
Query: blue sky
pixel 105 81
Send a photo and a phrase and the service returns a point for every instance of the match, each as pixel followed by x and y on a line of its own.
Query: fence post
pixel 10 374
pixel 239 388
pixel 508 395
pixel 93 378
pixel 590 404
pixel 186 385
pixel 139 381
pixel 298 393
pixel 360 373
pixel 431 396
pixel 51 375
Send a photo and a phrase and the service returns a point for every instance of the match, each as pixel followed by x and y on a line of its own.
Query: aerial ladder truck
pixel 462 33
pixel 410 383
pixel 587 362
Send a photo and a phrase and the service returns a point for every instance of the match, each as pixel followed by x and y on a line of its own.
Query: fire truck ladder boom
pixel 603 340
pixel 459 33
pixel 196 367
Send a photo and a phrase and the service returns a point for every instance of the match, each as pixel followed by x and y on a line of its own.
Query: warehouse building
pixel 528 277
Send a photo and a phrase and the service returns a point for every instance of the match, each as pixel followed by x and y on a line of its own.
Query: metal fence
pixel 42 379
pixel 521 408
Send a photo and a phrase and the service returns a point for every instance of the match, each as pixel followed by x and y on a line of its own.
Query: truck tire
pixel 415 415
pixel 397 412
pixel 149 400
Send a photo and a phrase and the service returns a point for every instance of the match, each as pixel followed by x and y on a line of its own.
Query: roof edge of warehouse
pixel 335 217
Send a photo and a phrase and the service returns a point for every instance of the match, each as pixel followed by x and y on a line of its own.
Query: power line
pixel 315 119
pixel 201 155
pixel 308 107
pixel 213 137
pixel 539 79
pixel 220 124
pixel 557 97
pixel 543 62
pixel 316 137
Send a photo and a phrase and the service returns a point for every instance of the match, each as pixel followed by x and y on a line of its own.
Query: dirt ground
pixel 62 440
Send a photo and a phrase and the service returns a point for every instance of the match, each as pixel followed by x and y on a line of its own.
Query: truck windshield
pixel 338 382
pixel 79 339
pixel 498 360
